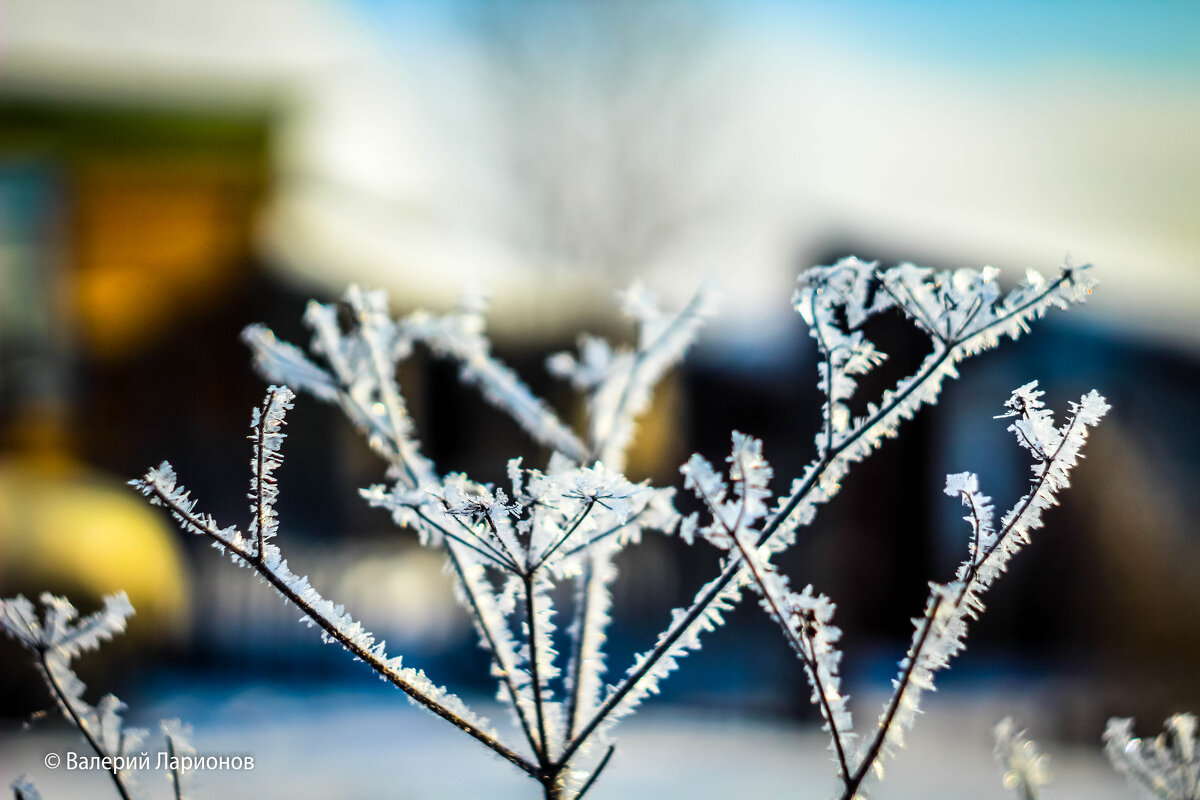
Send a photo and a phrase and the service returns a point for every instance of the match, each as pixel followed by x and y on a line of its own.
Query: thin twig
pixel 176 786
pixel 596 773
pixel 65 702
pixel 574 526
pixel 390 396
pixel 491 554
pixel 973 571
pixel 885 723
pixel 505 669
pixel 780 617
pixel 927 323
pixel 208 528
pixel 580 638
pixel 600 448
pixel 261 510
pixel 530 614
pixel 601 536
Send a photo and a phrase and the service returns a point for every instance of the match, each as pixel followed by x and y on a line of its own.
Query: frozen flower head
pixel 1025 769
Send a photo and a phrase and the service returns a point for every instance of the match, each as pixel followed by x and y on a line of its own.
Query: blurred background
pixel 173 170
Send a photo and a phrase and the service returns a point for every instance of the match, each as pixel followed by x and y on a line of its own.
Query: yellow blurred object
pixel 155 240
pixel 68 529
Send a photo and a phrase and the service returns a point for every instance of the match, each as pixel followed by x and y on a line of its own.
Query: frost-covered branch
pixel 460 336
pixel 618 381
pixel 1166 767
pixel 360 377
pixel 912 672
pixel 56 640
pixel 836 301
pixel 1025 768
pixel 160 486
pixel 803 618
pixel 941 633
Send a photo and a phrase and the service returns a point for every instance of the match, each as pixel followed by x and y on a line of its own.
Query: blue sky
pixel 1150 38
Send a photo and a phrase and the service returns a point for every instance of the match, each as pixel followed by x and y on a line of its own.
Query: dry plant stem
pixel 969 580
pixel 809 660
pixel 931 614
pixel 601 536
pixel 827 411
pixel 777 520
pixel 202 526
pixel 61 696
pixel 531 617
pixel 385 375
pixel 596 772
pixel 881 731
pixel 505 669
pixel 778 614
pixel 583 599
pixel 601 449
pixel 261 509
pixel 176 785
pixel 574 526
pixel 491 554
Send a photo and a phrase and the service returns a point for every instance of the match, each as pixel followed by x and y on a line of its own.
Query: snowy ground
pixel 371 745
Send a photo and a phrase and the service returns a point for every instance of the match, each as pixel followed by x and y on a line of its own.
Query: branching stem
pixel 206 527
pixel 734 566
pixel 534 672
pixel 885 723
pixel 77 721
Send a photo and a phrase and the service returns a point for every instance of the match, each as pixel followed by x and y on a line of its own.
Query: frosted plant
pixel 508 547
pixel 23 789
pixel 1025 768
pixel 963 313
pixel 940 633
pixel 55 641
pixel 1166 767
